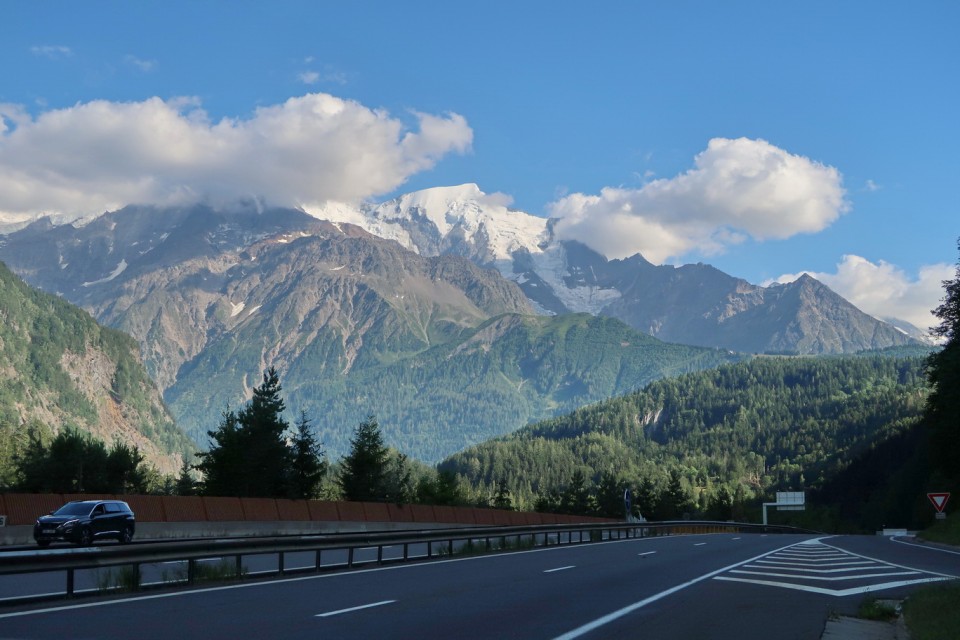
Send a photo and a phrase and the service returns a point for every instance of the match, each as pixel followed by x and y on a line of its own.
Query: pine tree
pixel 942 415
pixel 364 469
pixel 249 456
pixel 307 464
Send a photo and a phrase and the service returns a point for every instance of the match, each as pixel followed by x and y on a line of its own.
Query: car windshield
pixel 74 509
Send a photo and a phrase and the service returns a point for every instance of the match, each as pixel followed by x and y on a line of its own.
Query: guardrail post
pixel 280 558
pixel 379 554
pixel 430 548
pixel 239 561
pixel 135 570
pixel 69 583
pixel 318 559
pixel 450 546
pixel 406 550
pixel 191 570
pixel 350 557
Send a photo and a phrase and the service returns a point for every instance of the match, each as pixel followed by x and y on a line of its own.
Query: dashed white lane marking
pixel 571 566
pixel 352 609
pixel 699 544
pixel 647 553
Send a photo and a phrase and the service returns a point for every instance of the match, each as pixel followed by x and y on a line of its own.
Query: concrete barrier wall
pixel 23 509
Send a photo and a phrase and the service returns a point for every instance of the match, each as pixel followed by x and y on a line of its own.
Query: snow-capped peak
pixel 429 221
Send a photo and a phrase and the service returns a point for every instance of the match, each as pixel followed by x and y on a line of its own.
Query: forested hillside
pixel 59 368
pixel 741 430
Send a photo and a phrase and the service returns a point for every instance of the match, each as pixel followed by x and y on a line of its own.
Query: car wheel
pixel 86 537
pixel 43 543
pixel 126 535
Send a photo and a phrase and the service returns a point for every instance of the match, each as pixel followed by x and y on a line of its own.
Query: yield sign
pixel 939 500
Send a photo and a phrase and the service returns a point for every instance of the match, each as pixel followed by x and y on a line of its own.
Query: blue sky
pixel 550 103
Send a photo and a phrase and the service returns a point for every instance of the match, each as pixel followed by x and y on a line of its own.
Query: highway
pixel 715 586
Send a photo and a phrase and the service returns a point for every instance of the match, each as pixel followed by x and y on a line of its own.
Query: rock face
pixel 355 324
pixel 693 304
pixel 60 369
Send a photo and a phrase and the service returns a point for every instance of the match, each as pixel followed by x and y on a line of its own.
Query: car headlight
pixel 68 525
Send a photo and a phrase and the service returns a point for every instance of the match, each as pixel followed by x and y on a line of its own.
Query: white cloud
pixel 885 291
pixel 309 77
pixel 101 155
pixel 737 189
pixel 52 51
pixel 146 66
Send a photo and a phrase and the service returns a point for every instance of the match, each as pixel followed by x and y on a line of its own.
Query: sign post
pixel 939 501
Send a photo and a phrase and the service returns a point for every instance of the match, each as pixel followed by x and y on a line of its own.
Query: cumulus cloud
pixel 886 291
pixel 101 155
pixel 738 189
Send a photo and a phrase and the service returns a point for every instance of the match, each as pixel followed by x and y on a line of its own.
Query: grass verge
pixel 933 613
pixel 945 531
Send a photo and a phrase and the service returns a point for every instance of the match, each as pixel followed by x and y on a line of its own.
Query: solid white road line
pixel 924 546
pixel 619 613
pixel 351 609
pixel 832 592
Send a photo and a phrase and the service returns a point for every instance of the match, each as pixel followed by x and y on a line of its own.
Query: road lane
pixel 510 595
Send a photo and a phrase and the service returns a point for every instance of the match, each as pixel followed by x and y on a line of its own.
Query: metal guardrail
pixel 439 542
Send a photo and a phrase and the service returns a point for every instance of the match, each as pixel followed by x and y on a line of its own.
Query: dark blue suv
pixel 84 521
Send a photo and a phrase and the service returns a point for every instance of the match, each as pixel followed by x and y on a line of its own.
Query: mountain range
pixel 691 304
pixel 442 312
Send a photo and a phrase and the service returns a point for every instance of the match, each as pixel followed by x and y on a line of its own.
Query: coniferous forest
pixel 723 439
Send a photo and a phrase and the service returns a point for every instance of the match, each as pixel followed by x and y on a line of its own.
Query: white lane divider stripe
pixel 572 566
pixel 351 609
pixel 646 553
pixel 829 578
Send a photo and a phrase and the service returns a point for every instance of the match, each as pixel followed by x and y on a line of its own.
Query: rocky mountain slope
pixel 691 304
pixel 61 369
pixel 446 353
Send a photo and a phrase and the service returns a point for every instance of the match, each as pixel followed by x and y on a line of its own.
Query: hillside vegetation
pixel 741 430
pixel 59 369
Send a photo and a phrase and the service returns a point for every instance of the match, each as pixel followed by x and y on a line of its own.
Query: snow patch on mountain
pixel 463 220
pixel 116 272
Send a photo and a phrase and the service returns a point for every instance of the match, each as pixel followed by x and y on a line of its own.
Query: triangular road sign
pixel 939 500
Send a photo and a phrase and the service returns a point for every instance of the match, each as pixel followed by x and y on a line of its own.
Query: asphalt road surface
pixel 710 586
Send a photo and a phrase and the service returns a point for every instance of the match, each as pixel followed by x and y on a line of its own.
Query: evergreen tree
pixel 576 498
pixel 502 499
pixel 443 489
pixel 267 454
pixel 942 413
pixel 363 473
pixel 675 501
pixel 307 464
pixel 75 462
pixel 610 490
pixel 249 455
pixel 185 485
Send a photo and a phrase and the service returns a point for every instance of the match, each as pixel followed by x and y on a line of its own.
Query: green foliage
pixel 451 391
pixel 308 464
pixel 711 442
pixel 933 612
pixel 442 489
pixel 42 341
pixel 363 475
pixel 942 415
pixel 250 455
pixel 74 462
